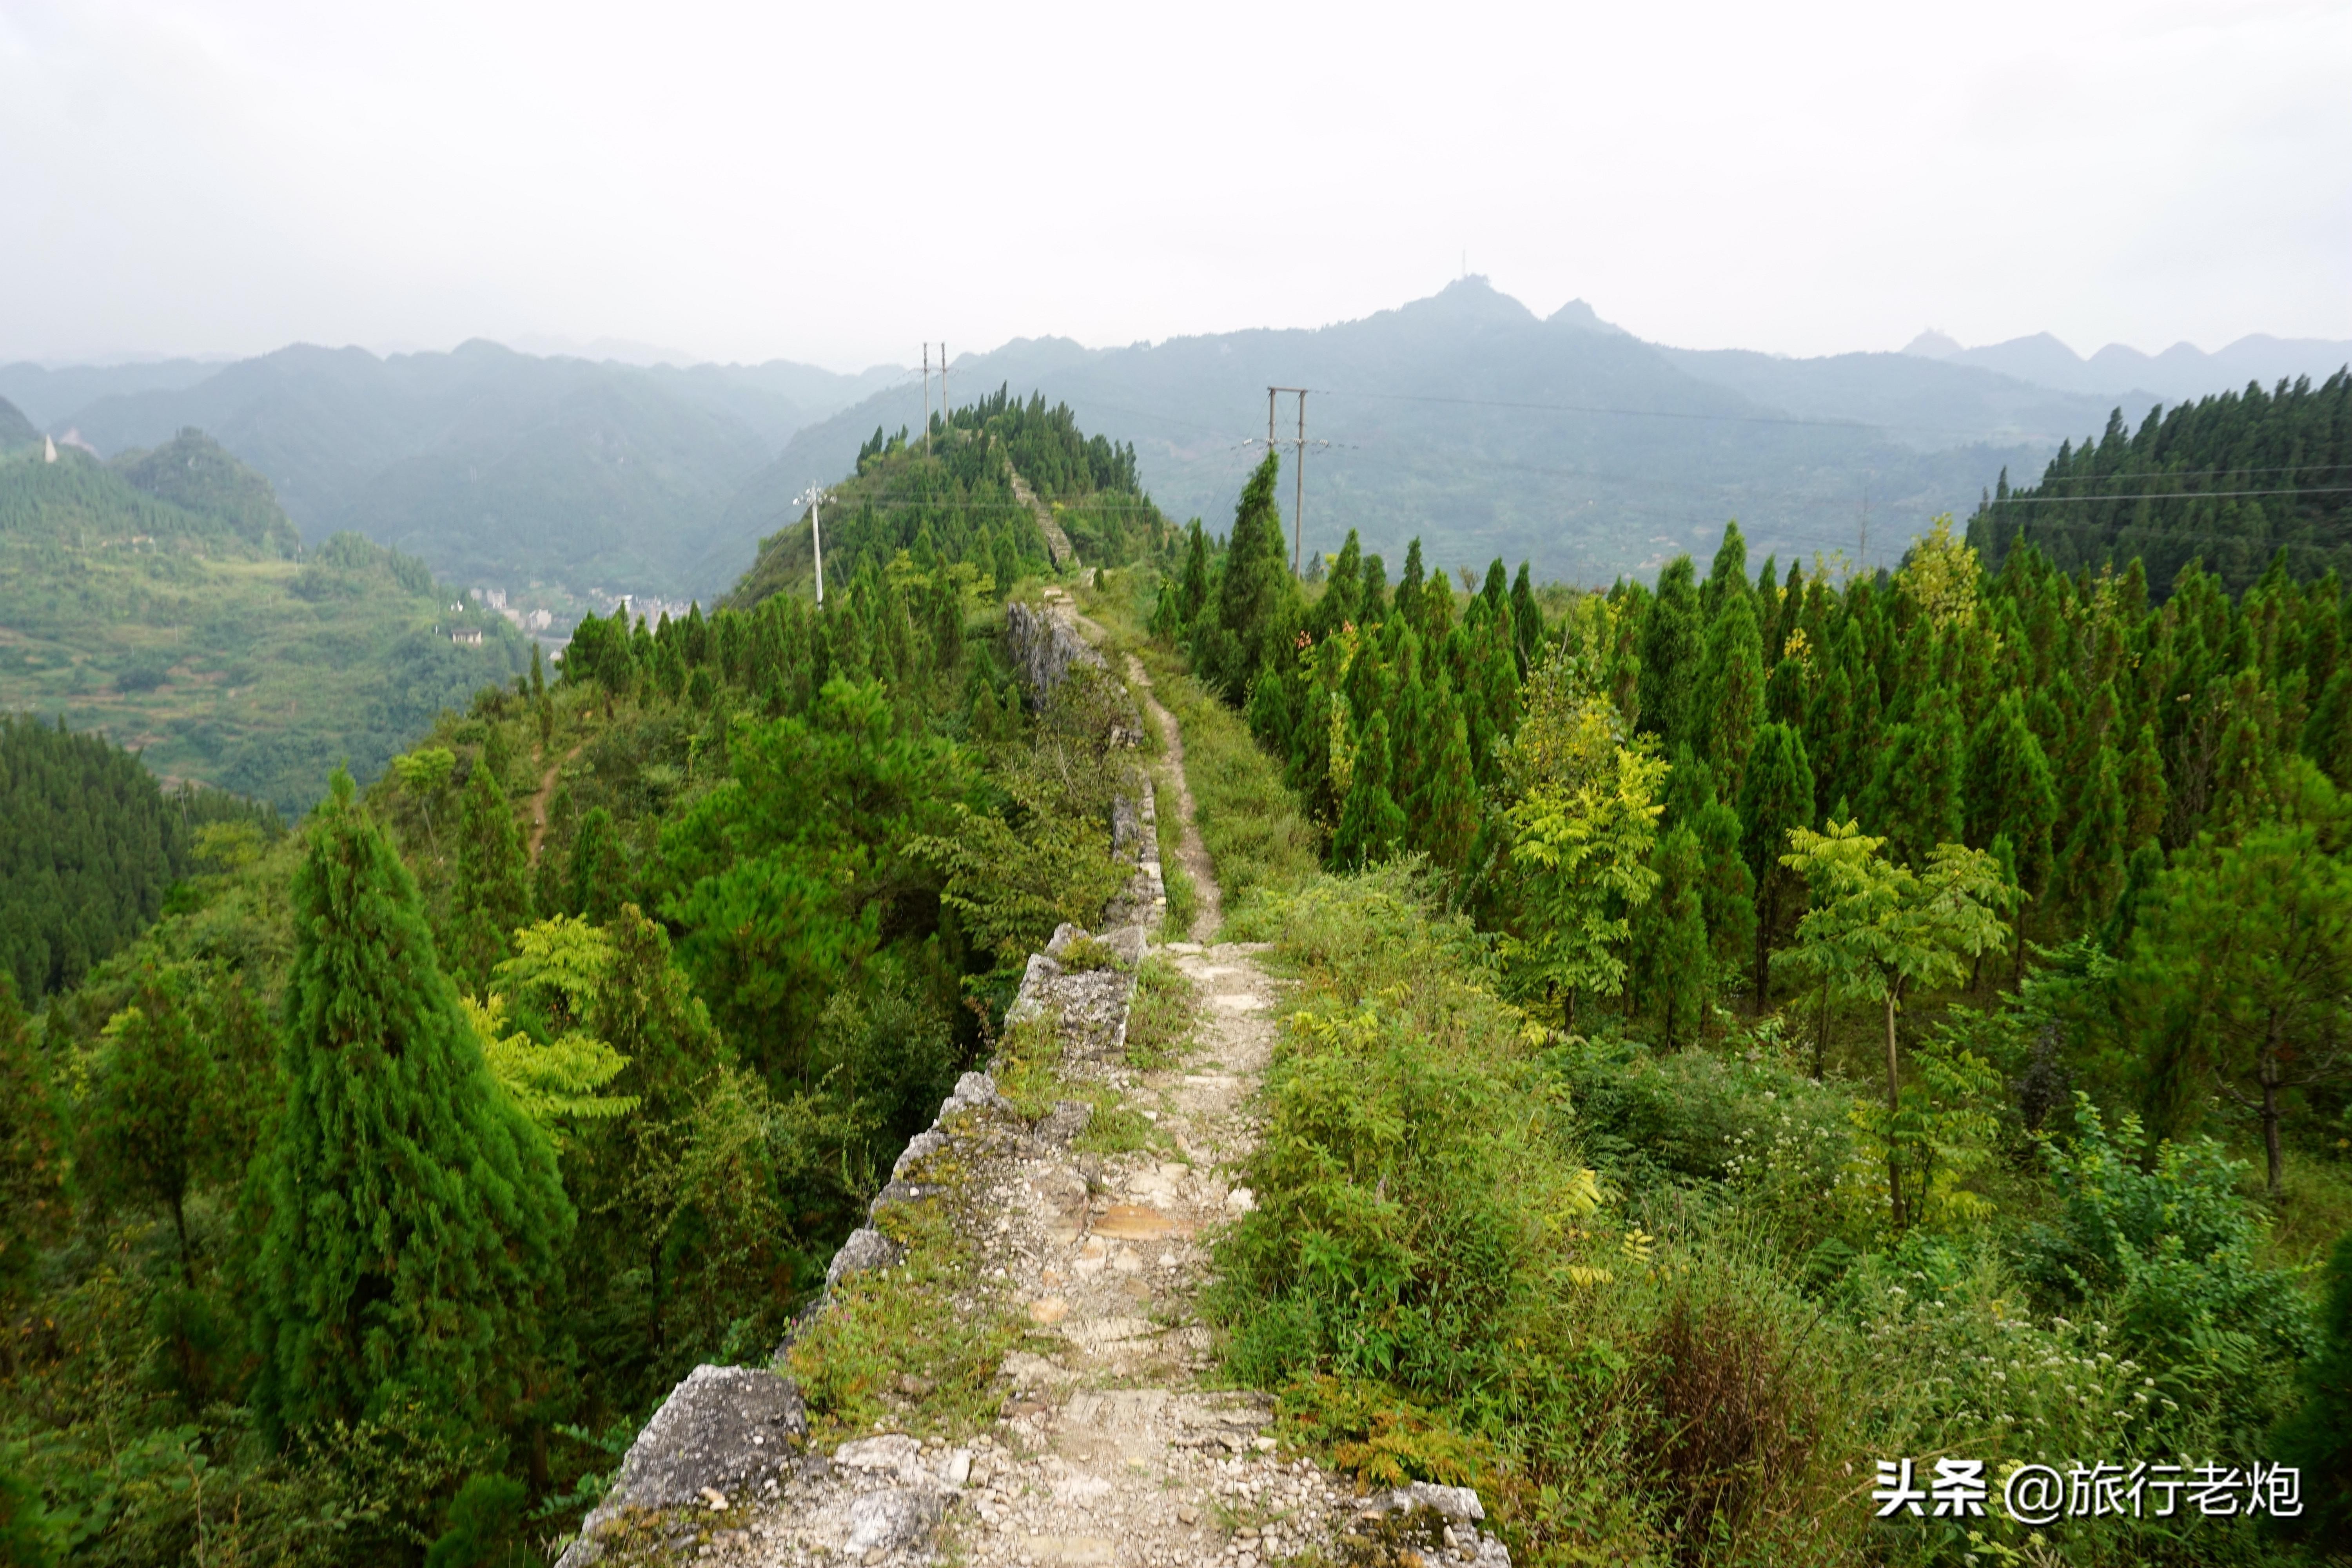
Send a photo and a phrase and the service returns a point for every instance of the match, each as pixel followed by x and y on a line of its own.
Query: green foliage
pixel 2237 978
pixel 2317 1437
pixel 414 1215
pixel 2164 1248
pixel 2163 494
pixel 1256 598
pixel 493 894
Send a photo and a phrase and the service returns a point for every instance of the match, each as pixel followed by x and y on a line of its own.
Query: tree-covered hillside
pixel 950 499
pixel 610 1003
pixel 192 637
pixel 89 844
pixel 2233 481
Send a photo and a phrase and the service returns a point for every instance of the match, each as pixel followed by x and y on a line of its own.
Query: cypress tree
pixel 1435 619
pixel 1370 824
pixel 1730 699
pixel 600 872
pixel 1372 601
pixel 1444 814
pixel 1676 969
pixel 1776 796
pixel 1728 577
pixel 32 1150
pixel 1338 606
pixel 1407 588
pixel 1527 620
pixel 2092 865
pixel 415 1216
pixel 2317 1438
pixel 493 890
pixel 1411 735
pixel 1494 706
pixel 1669 649
pixel 1915 798
pixel 1726 890
pixel 1255 592
pixel 1784 694
pixel 1827 719
pixel 2145 799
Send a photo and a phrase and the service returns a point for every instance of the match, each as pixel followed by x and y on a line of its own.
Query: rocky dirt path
pixel 1209 901
pixel 539 801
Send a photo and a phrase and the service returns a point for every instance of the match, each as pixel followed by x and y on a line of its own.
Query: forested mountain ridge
pixel 195 638
pixel 2234 481
pixel 15 431
pixel 949 498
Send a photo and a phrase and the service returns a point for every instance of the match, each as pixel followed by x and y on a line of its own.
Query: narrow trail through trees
pixel 540 799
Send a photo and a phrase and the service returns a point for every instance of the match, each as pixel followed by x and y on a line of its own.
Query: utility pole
pixel 1862 546
pixel 1298 507
pixel 927 394
pixel 816 496
pixel 943 386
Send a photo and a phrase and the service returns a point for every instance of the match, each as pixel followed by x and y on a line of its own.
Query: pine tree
pixel 1730 698
pixel 1670 652
pixel 1370 824
pixel 493 896
pixel 1776 796
pixel 415 1217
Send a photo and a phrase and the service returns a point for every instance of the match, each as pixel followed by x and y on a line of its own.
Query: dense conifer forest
pixel 90 846
pixel 2231 482
pixel 1940 975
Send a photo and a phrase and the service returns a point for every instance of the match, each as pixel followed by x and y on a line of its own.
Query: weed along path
pixel 1013 1366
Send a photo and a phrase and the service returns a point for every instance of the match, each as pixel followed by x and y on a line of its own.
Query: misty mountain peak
pixel 1578 316
pixel 1473 301
pixel 1933 344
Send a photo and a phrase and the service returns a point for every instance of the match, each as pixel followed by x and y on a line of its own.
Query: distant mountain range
pixel 497 468
pixel 1461 418
pixel 2180 373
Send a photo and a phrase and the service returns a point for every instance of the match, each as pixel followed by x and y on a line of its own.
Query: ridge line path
pixel 1058 548
pixel 1210 910
pixel 538 800
pixel 1115 1448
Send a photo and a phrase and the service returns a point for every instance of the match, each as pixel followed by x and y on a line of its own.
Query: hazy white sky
pixel 839 183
